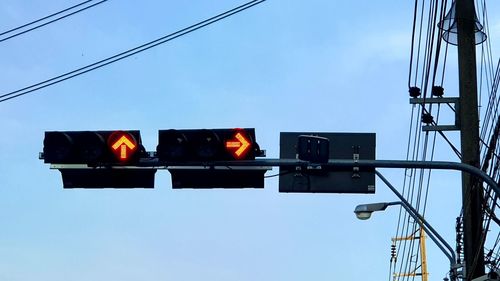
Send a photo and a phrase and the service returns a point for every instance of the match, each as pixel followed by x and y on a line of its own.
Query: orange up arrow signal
pixel 124 146
pixel 240 145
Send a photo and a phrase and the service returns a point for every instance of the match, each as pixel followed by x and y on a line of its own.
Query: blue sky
pixel 333 66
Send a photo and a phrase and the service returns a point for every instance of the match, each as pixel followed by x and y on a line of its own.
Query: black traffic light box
pixel 107 178
pixel 92 147
pixel 97 159
pixel 217 177
pixel 206 145
pixel 192 157
pixel 322 179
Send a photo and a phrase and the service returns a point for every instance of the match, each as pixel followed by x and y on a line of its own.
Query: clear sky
pixel 333 66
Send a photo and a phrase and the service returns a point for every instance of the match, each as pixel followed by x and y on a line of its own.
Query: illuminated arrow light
pixel 240 146
pixel 124 147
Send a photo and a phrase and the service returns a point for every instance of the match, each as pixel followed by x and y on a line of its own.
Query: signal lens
pixel 239 146
pixel 123 145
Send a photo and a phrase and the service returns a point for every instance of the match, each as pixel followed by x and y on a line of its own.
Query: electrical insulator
pixel 427 118
pixel 393 253
pixel 437 91
pixel 414 92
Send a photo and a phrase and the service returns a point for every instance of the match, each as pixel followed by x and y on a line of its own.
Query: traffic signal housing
pixel 92 147
pixel 201 158
pixel 207 145
pixel 98 159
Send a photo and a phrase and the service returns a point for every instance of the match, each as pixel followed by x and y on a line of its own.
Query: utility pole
pixel 472 196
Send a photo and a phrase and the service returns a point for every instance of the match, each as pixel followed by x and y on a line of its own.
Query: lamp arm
pixel 414 213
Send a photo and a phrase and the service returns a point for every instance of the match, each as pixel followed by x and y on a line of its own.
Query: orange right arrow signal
pixel 241 145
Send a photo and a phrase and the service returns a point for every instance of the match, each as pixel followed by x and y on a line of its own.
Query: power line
pixel 44 18
pixel 48 17
pixel 425 59
pixel 128 53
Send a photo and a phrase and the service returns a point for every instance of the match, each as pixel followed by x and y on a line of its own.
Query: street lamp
pixel 364 212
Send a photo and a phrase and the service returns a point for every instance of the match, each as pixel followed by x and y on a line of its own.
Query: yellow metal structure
pixel 423 256
pixel 424 274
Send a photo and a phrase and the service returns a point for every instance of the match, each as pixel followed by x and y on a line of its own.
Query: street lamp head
pixel 363 215
pixel 364 211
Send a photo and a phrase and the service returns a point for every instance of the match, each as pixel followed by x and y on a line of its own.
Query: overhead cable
pixel 27 25
pixel 128 53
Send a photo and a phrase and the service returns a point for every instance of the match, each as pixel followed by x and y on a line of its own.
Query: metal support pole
pixel 472 195
pixel 153 163
pixel 333 164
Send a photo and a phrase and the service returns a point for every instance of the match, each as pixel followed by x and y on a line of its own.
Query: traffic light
pixel 92 147
pixel 207 145
pixel 194 157
pixel 98 159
